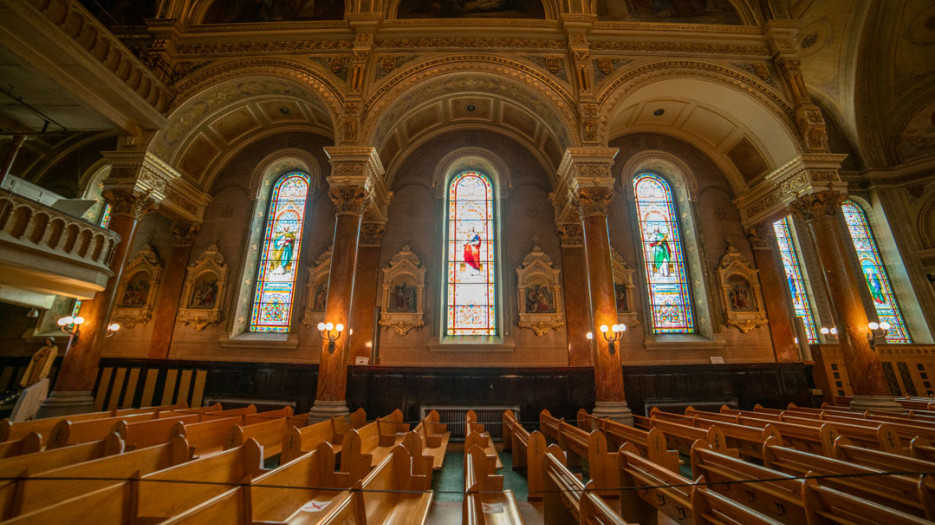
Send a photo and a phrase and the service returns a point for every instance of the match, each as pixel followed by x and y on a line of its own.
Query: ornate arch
pixel 481 159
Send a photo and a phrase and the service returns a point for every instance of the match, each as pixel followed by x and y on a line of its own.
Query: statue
pixel 40 365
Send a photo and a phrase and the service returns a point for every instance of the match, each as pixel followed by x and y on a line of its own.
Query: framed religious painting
pixel 203 292
pixel 136 293
pixel 539 289
pixel 403 293
pixel 740 291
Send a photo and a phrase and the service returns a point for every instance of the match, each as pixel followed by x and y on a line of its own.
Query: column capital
pixel 371 233
pixel 358 167
pixel 581 166
pixel 571 234
pixel 185 232
pixel 594 200
pixel 139 171
pixel 817 205
pixel 130 202
pixel 350 199
pixel 761 235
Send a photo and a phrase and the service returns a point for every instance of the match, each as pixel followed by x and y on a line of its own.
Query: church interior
pixel 467 261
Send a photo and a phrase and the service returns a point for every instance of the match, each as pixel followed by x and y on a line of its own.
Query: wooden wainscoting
pixel 909 370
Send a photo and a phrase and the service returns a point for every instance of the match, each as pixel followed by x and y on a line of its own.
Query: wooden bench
pixel 682 435
pixel 484 494
pixel 48 488
pixel 476 436
pixel 548 425
pixel 233 412
pixel 12 431
pixel 365 447
pixel 566 500
pixel 435 436
pixel 801 437
pixel 709 507
pixel 270 434
pixel 527 450
pixel 825 505
pixel 108 505
pixel 301 440
pixel 651 443
pixel 206 437
pixel 922 448
pixel 68 432
pixel 142 434
pixel 602 463
pixel 905 493
pixel 27 444
pixel 660 490
pixel 229 508
pixel 748 440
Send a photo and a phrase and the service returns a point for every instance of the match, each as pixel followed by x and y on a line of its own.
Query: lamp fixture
pixel 829 333
pixel 331 332
pixel 877 332
pixel 71 325
pixel 112 329
pixel 612 335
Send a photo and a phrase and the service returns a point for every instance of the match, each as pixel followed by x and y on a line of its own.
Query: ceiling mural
pixel 676 11
pixel 918 139
pixel 245 11
pixel 470 9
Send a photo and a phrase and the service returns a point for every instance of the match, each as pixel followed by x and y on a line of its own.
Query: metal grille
pixel 489 416
pixel 678 407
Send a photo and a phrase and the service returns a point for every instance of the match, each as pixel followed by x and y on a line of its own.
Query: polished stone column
pixel 575 289
pixel 608 374
pixel 775 291
pixel 170 292
pixel 843 282
pixel 365 291
pixel 356 186
pixel 72 391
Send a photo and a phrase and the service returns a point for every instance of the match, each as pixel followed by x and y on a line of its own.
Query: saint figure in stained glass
pixel 667 278
pixel 472 250
pixel 789 255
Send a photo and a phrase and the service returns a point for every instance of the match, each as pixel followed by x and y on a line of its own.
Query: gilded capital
pixel 131 203
pixel 570 233
pixel 371 233
pixel 816 205
pixel 761 235
pixel 594 200
pixel 349 199
pixel 185 232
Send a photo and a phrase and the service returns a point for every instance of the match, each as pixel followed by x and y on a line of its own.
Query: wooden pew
pixel 801 437
pixel 681 435
pixel 391 493
pixel 527 450
pixel 300 440
pixel 142 434
pixel 341 425
pixel 13 431
pixel 217 407
pixel 229 508
pixel 476 436
pixel 566 500
pixel 592 446
pixel 910 494
pixel 435 436
pixel 108 505
pixel 709 507
pixel 548 425
pixel 206 437
pixel 158 409
pixel 174 490
pixel 48 488
pixel 27 444
pixel 68 432
pixel 844 450
pixel 484 489
pixel 663 490
pixel 747 440
pixel 233 412
pixel 922 448
pixel 366 446
pixel 825 505
pixel 279 413
pixel 270 434
pixel 651 443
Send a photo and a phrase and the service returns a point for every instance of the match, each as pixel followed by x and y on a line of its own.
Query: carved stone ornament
pixel 819 204
pixel 624 290
pixel 403 293
pixel 349 199
pixel 317 286
pixel 594 200
pixel 136 293
pixel 203 292
pixel 539 289
pixel 740 291
pixel 130 203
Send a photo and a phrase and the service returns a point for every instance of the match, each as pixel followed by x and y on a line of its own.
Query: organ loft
pixel 458 261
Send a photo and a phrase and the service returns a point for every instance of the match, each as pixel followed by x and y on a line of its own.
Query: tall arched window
pixel 792 264
pixel 875 273
pixel 278 266
pixel 470 261
pixel 666 277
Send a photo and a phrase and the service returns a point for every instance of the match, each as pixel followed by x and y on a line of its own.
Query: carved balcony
pixel 44 253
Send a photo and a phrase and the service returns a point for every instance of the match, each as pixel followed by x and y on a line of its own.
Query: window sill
pixel 472 343
pixel 684 341
pixel 254 340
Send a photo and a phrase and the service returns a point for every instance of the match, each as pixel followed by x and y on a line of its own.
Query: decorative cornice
pixel 682 48
pixel 470 43
pixel 262 48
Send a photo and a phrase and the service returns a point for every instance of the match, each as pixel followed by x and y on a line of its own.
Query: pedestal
pixel 66 402
pixel 614 410
pixel 325 410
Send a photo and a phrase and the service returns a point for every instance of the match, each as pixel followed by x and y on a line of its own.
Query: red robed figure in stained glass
pixel 472 250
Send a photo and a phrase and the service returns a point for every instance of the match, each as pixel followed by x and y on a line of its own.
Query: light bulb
pixel 884 325
pixel 64 321
pixel 114 327
pixel 873 326
pixel 603 328
pixel 339 327
pixel 329 326
pixel 824 330
pixel 321 326
pixel 589 336
pixel 621 328
pixel 834 330
pixel 79 320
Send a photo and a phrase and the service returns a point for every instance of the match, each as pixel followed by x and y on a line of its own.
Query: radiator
pixel 679 406
pixel 453 416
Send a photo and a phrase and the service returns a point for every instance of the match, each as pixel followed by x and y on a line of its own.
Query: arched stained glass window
pixel 875 273
pixel 470 295
pixel 282 242
pixel 666 276
pixel 793 267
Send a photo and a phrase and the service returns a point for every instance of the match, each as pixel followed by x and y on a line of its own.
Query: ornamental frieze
pixel 690 48
pixel 481 43
pixel 250 48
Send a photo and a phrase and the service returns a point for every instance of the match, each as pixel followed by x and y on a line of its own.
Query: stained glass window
pixel 105 216
pixel 875 273
pixel 793 267
pixel 666 277
pixel 470 298
pixel 282 242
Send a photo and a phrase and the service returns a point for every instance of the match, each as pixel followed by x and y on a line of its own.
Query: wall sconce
pixel 830 334
pixel 331 332
pixel 112 329
pixel 617 330
pixel 71 325
pixel 878 332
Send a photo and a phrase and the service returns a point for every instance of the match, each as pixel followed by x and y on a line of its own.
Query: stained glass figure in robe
pixel 801 303
pixel 275 290
pixel 666 277
pixel 470 295
pixel 884 300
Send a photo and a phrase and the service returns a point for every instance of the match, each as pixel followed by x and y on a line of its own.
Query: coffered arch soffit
pixel 391 8
pixel 550 102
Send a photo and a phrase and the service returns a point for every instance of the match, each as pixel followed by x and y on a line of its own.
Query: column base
pixel 614 410
pixel 325 410
pixel 66 403
pixel 876 404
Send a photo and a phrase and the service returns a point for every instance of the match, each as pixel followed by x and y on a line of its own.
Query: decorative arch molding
pixel 676 171
pixel 391 8
pixel 281 162
pixel 617 89
pixel 479 159
pixel 488 73
pixel 926 224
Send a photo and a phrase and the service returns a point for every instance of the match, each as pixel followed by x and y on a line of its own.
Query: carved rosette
pixel 203 292
pixel 740 291
pixel 817 205
pixel 403 293
pixel 317 289
pixel 131 203
pixel 136 293
pixel 594 201
pixel 539 293
pixel 761 236
pixel 349 199
pixel 185 233
pixel 571 234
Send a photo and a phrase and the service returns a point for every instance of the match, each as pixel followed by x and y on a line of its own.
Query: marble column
pixel 775 291
pixel 72 392
pixel 170 292
pixel 820 211
pixel 356 186
pixel 365 291
pixel 575 288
